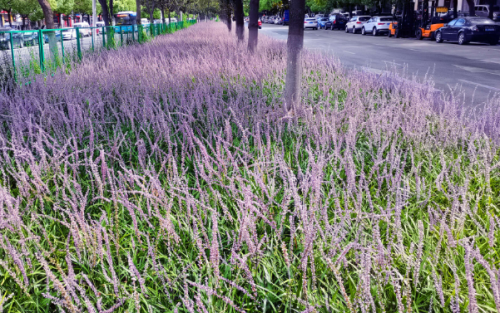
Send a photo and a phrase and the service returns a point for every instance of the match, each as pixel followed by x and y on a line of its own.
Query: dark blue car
pixel 466 29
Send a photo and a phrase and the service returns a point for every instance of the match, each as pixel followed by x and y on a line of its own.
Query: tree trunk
pixel 162 15
pixel 472 8
pixel 110 11
pixel 294 54
pixel 253 25
pixel 455 8
pixel 227 14
pixel 492 4
pixel 105 12
pixel 9 11
pixel 138 12
pixel 240 23
pixel 49 23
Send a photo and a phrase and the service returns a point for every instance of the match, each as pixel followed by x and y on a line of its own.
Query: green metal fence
pixel 37 51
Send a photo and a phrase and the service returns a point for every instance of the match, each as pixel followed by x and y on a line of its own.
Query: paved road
pixel 475 68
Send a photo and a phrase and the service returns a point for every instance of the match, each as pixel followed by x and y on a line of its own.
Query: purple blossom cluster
pixel 173 178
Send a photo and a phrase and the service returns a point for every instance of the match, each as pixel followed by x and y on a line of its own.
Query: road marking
pixel 392 62
pixel 479 85
pixel 478 70
pixel 349 52
pixel 373 70
pixel 497 61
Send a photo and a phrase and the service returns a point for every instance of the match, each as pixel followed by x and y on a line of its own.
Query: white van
pixel 84 28
pixel 484 10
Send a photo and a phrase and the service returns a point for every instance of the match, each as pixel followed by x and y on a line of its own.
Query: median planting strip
pixel 174 182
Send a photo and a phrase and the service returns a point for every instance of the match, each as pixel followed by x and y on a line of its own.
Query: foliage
pixel 124 5
pixel 184 188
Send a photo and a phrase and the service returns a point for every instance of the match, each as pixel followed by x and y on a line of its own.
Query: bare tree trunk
pixel 492 4
pixel 49 23
pixel 294 54
pixel 240 24
pixel 138 12
pixel 253 25
pixel 455 8
pixel 227 14
pixel 162 14
pixel 9 11
pixel 472 7
pixel 105 12
pixel 111 15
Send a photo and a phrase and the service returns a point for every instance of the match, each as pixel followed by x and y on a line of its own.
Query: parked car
pixel 311 23
pixel 356 23
pixel 336 21
pixel 30 38
pixel 466 29
pixel 322 22
pixel 278 20
pixel 67 34
pixel 84 29
pixel 17 38
pixel 377 25
pixel 270 20
pixel 46 36
pixel 484 11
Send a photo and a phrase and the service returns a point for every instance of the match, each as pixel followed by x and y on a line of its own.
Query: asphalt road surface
pixel 473 68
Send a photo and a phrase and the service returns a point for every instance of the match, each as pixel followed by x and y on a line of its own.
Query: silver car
pixel 377 25
pixel 311 23
pixel 356 23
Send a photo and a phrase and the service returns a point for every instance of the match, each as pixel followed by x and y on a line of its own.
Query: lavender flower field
pixel 172 181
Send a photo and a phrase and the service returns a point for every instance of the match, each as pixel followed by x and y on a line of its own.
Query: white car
pixel 356 23
pixel 377 25
pixel 84 28
pixel 67 34
pixel 311 23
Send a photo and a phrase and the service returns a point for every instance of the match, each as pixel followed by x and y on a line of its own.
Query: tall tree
pixel 295 44
pixel 472 7
pixel 25 8
pixel 107 11
pixel 253 25
pixel 62 7
pixel 83 7
pixel 49 23
pixel 150 6
pixel 492 4
pixel 7 5
pixel 240 23
pixel 138 12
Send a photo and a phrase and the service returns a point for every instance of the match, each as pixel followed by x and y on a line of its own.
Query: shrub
pixel 174 182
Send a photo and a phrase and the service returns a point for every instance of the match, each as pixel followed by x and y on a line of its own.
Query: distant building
pixel 4 18
pixel 462 4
